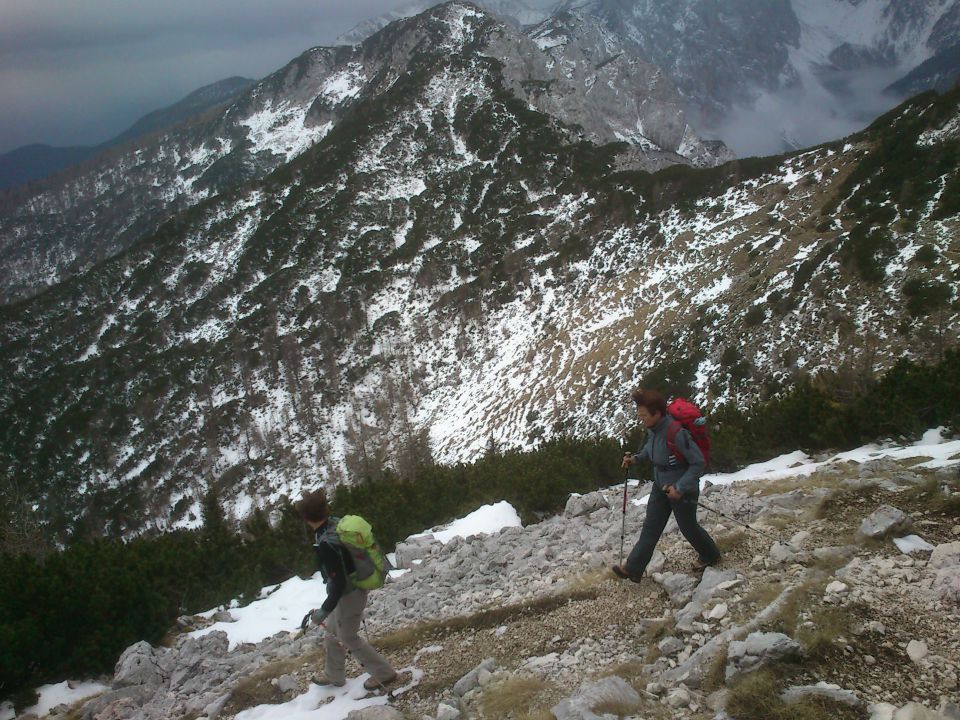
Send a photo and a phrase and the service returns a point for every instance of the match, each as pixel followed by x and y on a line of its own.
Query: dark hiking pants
pixel 659 508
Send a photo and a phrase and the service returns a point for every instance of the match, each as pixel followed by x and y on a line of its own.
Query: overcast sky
pixel 78 72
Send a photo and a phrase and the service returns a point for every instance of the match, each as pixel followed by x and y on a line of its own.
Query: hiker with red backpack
pixel 678 461
pixel 351 565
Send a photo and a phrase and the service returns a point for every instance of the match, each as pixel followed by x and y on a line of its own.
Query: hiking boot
pixel 324 680
pixel 623 574
pixel 699 564
pixel 372 683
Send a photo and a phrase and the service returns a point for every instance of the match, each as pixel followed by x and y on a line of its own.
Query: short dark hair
pixel 652 400
pixel 313 506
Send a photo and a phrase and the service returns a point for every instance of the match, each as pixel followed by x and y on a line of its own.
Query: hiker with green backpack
pixel 352 564
pixel 676 445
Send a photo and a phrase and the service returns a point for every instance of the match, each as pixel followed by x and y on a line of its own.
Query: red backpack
pixel 688 416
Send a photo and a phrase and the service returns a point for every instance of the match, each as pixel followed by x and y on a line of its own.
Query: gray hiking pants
pixel 343 624
pixel 659 508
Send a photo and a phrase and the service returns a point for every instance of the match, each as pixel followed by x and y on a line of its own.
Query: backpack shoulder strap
pixel 672 429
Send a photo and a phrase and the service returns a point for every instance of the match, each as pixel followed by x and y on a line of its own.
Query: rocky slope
pixel 528 623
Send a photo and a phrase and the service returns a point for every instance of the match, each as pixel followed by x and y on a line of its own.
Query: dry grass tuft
pixel 520 698
pixel 931 496
pixel 632 672
pixel 757 697
pixel 258 688
pixel 820 635
pixel 716 675
pixel 729 541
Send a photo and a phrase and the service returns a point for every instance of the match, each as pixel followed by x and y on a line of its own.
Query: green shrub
pixel 925 296
pixel 754 316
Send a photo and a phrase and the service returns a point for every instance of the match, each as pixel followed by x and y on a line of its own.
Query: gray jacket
pixel 681 472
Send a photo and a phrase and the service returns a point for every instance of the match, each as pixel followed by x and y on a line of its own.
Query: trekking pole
pixel 305 625
pixel 623 524
pixel 739 522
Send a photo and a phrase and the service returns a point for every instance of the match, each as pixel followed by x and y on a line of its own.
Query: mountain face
pixel 65 227
pixel 427 259
pixel 33 162
pixel 772 75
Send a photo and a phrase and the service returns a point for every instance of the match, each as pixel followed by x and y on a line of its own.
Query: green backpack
pixel 355 534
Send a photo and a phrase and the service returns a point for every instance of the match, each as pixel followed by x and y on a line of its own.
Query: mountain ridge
pixel 37 161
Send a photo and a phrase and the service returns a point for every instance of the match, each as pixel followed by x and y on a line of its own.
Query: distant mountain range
pixel 34 162
pixel 453 238
pixel 766 76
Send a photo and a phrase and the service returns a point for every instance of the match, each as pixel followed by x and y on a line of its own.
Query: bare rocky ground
pixel 531 624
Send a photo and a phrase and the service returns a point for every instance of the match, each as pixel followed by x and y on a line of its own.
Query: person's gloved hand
pixel 318 616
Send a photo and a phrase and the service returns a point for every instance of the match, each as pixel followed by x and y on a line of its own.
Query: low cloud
pixel 807 115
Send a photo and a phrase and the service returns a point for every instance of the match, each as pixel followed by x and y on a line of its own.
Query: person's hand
pixel 627 461
pixel 673 493
pixel 318 616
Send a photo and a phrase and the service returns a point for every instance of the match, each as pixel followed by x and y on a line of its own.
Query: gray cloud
pixel 75 73
pixel 809 114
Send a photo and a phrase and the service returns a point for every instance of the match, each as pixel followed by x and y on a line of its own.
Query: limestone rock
pixel 913 545
pixel 472 679
pixel 945 556
pixel 671 645
pixel 821 690
pixel 718 612
pixel 413 549
pixel 377 712
pixel 885 521
pixel 678 586
pixel 287 684
pixel 917 650
pixel 140 665
pixel 578 505
pixel 447 712
pixel 916 711
pixel 613 690
pixel 679 697
pixel 757 650
pixel 946 585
